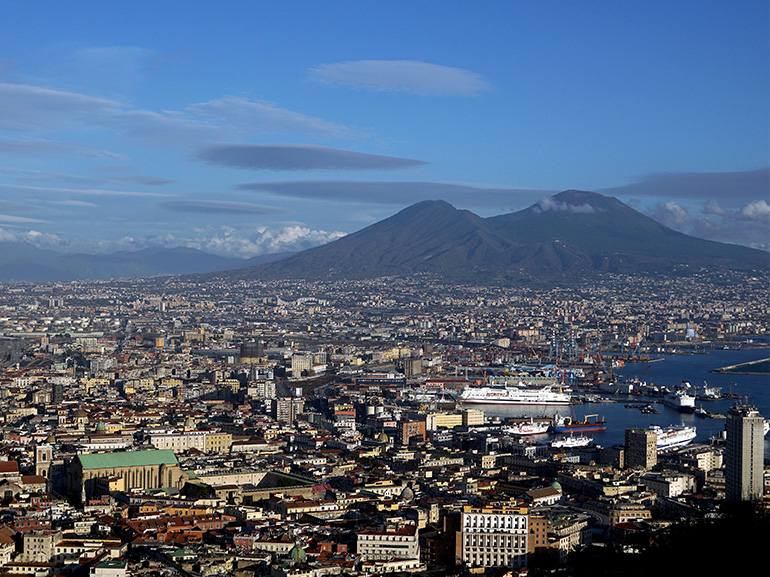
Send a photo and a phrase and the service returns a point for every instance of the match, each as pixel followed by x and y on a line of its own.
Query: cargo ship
pixel 568 425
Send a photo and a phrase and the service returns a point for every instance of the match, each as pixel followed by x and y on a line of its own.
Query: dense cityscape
pixel 167 426
pixel 443 289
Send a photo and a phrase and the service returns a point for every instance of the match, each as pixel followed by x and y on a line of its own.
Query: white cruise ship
pixel 673 436
pixel 514 395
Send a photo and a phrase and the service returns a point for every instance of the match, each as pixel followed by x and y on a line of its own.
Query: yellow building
pixel 218 443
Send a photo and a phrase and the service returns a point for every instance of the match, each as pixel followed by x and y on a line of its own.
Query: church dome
pixel 297 554
pixel 407 494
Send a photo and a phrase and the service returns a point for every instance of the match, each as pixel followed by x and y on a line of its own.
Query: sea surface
pixel 670 371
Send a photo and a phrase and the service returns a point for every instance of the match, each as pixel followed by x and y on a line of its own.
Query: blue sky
pixel 249 127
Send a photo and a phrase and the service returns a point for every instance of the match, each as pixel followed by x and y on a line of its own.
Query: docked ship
pixel 571 442
pixel 567 425
pixel 526 428
pixel 681 398
pixel 514 395
pixel 673 436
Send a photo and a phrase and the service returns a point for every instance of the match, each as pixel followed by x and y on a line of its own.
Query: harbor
pixel 671 371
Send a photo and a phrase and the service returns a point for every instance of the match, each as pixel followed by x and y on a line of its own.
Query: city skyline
pixel 277 127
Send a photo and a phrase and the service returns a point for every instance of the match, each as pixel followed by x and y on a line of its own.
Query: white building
pixel 494 536
pixel 391 543
pixel 668 485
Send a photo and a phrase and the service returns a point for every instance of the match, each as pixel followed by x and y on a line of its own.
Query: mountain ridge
pixel 571 234
pixel 23 262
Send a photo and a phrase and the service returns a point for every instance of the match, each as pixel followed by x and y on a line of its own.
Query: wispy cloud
pixel 468 195
pixel 410 76
pixel 722 186
pixel 257 117
pixel 47 147
pixel 220 207
pixel 298 157
pixel 9 219
pixel 27 108
pixel 75 203
pixel 110 68
pixel 18 188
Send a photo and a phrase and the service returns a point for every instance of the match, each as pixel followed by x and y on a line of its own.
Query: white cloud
pixel 758 211
pixel 34 237
pixel 713 207
pixel 223 240
pixel 671 214
pixel 402 76
pixel 551 205
pixel 227 241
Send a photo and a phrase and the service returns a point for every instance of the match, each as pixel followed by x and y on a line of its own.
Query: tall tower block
pixel 743 454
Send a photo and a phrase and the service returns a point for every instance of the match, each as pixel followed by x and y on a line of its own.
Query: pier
pixel 758 367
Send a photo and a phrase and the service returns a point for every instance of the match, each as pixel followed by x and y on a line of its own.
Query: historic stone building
pixel 136 470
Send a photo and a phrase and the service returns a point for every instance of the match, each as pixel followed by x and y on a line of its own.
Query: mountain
pixel 21 261
pixel 572 234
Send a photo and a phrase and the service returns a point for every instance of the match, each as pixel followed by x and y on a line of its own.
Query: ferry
pixel 514 395
pixel 673 436
pixel 681 398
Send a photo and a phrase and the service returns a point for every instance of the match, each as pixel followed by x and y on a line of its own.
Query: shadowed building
pixel 641 449
pixel 251 352
pixel 137 470
pixel 743 454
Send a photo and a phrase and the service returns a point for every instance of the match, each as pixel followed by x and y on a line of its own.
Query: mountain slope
pixel 430 235
pixel 569 235
pixel 616 237
pixel 25 262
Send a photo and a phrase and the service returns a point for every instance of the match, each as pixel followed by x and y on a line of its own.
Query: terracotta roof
pixel 9 467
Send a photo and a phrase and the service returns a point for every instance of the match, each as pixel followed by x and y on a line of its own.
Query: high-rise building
pixel 57 393
pixel 251 351
pixel 641 449
pixel 743 454
pixel 411 429
pixel 287 409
